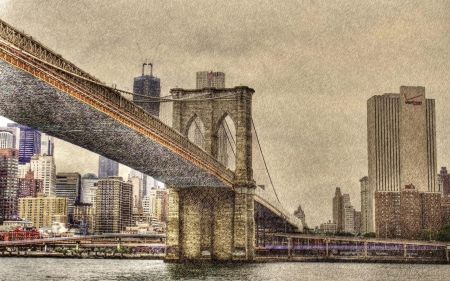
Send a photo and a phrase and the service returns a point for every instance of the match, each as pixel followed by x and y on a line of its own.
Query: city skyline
pixel 313 67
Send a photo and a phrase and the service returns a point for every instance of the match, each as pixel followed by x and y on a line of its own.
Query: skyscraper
pixel 6 140
pixel 402 157
pixel 29 186
pixel 44 168
pixel 8 183
pixel 107 168
pixel 113 205
pixel 47 145
pixel 343 212
pixel 68 186
pixel 147 87
pixel 87 181
pixel 367 218
pixel 444 182
pixel 29 143
pixel 209 79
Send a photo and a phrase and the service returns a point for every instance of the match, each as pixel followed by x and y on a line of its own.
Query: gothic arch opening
pixel 226 143
pixel 196 132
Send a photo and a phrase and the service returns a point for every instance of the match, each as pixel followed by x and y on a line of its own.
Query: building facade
pixel 444 181
pixel 401 154
pixel 6 140
pixel 68 186
pixel 44 168
pixel 107 168
pixel 29 186
pixel 113 205
pixel 29 142
pixel 209 79
pixel 43 210
pixel 367 214
pixel 147 87
pixel 8 183
pixel 87 181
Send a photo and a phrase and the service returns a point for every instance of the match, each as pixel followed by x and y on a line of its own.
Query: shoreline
pixel 394 260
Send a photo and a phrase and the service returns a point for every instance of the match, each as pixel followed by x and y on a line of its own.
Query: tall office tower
pixel 444 182
pixel 15 132
pixel 148 204
pixel 162 209
pixel 43 210
pixel 348 214
pixel 8 183
pixel 343 212
pixel 337 209
pixel 107 168
pixel 367 214
pixel 299 213
pixel 47 145
pixel 209 79
pixel 87 181
pixel 147 87
pixel 68 186
pixel 44 168
pixel 137 195
pixel 29 186
pixel 29 143
pixel 357 225
pixel 401 153
pixel 6 140
pixel 113 206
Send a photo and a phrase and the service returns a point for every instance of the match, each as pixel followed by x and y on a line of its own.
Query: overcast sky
pixel 313 65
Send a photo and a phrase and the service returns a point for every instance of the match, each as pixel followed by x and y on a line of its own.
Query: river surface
pixel 38 269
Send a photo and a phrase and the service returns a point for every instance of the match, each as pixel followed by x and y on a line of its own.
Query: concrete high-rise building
pixel 147 87
pixel 161 204
pixel 107 168
pixel 337 208
pixel 328 228
pixel 44 168
pixel 15 132
pixel 367 214
pixel 357 225
pixel 444 182
pixel 343 212
pixel 113 205
pixel 47 145
pixel 68 186
pixel 43 210
pixel 209 79
pixel 29 142
pixel 29 186
pixel 6 140
pixel 87 181
pixel 8 183
pixel 401 154
pixel 136 182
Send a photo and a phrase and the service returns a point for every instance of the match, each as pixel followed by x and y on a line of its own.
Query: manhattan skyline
pixel 313 67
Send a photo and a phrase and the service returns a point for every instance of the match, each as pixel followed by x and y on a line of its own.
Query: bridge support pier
pixel 210 224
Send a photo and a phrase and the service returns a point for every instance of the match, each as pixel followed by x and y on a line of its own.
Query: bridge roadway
pixel 54 240
pixel 40 89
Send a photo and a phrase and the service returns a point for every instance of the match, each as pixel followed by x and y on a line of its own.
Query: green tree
pixel 427 235
pixel 444 233
pixel 370 235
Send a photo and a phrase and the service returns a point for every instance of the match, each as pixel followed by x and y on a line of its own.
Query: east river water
pixel 37 269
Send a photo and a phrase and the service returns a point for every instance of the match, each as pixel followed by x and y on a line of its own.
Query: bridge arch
pixel 195 131
pixel 224 141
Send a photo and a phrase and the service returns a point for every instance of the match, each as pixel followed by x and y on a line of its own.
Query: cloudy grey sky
pixel 313 65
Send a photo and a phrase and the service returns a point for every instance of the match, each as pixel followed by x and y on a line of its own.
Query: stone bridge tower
pixel 207 222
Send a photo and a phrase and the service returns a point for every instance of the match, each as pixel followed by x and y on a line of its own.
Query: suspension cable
pixel 265 164
pixel 231 145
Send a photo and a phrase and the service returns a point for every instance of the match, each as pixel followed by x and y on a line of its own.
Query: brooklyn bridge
pixel 214 207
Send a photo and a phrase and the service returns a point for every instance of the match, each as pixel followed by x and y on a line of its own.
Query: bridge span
pixel 40 89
